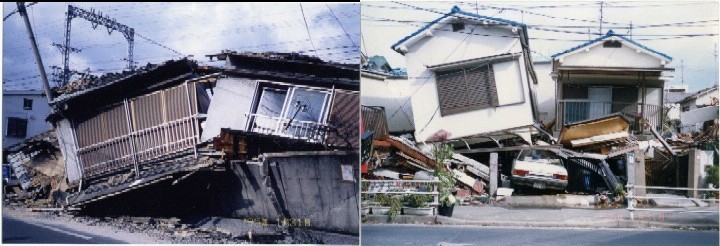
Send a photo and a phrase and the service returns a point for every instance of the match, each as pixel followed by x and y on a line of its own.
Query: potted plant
pixel 447 180
pixel 416 204
pixel 389 205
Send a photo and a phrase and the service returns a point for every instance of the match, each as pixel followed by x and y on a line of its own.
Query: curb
pixel 610 223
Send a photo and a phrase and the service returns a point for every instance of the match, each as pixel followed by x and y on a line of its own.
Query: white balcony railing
pixel 306 130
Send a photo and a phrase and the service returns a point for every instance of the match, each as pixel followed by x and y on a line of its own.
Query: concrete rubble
pixel 38 170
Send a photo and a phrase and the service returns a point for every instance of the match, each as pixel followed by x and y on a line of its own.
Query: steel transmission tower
pixel 96 19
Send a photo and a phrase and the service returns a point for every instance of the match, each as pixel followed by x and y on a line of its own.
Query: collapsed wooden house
pixel 131 126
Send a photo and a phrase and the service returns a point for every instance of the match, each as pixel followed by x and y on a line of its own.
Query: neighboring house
pixel 703 98
pixel 380 87
pixel 24 113
pixel 545 91
pixel 699 110
pixel 470 76
pixel 673 94
pixel 610 74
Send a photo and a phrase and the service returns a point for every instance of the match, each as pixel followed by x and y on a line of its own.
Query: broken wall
pixel 300 185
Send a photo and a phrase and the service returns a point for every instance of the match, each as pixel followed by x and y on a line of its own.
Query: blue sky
pixel 655 24
pixel 195 29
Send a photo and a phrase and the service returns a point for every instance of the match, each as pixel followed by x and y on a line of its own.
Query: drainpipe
pixel 529 68
pixel 46 85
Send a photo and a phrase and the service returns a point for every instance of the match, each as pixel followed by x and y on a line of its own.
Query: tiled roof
pixel 699 93
pixel 88 83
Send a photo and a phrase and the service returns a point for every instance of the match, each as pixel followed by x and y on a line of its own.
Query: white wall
pixel 700 115
pixel 598 56
pixel 232 100
pixel 545 91
pixel 394 95
pixel 13 107
pixel 445 47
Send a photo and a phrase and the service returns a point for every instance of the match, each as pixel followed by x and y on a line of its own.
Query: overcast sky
pixel 194 29
pixel 654 25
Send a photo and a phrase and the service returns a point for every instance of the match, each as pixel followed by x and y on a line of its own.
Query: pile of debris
pixel 37 175
pixel 88 81
pixel 398 158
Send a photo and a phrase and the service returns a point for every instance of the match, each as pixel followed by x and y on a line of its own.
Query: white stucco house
pixel 702 98
pixel 611 74
pixel 471 76
pixel 699 109
pixel 24 113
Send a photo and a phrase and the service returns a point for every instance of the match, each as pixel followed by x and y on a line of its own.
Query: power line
pixel 159 44
pixel 16 10
pixel 341 25
pixel 660 36
pixel 307 29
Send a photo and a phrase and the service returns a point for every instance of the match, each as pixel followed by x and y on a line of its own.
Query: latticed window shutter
pixel 466 90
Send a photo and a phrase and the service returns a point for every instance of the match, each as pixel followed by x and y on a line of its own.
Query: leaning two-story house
pixel 471 78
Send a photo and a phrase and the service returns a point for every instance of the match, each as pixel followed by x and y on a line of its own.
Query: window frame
pixel 25 103
pixel 470 64
pixel 14 127
pixel 486 103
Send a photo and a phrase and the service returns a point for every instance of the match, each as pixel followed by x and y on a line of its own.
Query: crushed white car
pixel 540 170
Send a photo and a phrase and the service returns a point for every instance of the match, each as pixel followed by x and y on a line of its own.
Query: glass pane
pixel 270 105
pixel 271 102
pixel 306 105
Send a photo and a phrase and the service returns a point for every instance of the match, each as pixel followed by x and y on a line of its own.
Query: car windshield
pixel 539 156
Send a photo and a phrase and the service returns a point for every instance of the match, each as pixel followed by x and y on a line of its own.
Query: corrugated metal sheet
pixel 374 119
pixel 344 119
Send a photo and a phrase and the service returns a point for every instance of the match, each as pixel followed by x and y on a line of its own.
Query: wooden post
pixel 493 173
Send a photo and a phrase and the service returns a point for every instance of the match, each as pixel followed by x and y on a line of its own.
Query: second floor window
pixel 466 90
pixel 27 104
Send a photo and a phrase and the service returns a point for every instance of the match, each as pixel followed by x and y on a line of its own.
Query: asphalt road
pixel 16 231
pixel 496 236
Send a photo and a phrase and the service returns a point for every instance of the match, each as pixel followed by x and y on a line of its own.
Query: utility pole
pixel 717 70
pixel 601 18
pixel 46 85
pixel 682 71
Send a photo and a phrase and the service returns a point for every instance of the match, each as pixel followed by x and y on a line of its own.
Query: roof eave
pixel 402 45
pixel 597 41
